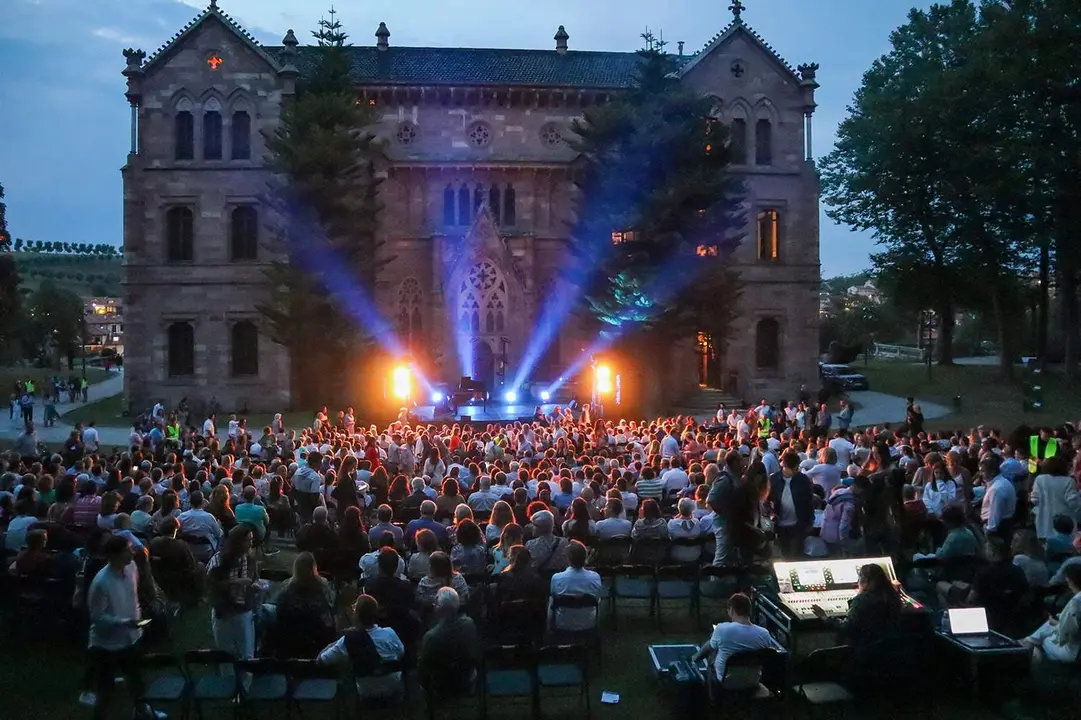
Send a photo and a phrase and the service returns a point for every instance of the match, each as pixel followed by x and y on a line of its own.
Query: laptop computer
pixel 969 627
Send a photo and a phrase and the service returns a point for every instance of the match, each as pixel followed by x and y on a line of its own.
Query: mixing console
pixel 834 602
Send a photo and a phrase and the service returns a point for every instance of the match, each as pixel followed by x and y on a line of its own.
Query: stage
pixel 494 412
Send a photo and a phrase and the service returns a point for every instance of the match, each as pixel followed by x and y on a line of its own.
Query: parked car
pixel 842 378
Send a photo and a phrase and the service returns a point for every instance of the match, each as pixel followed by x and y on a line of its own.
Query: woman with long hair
pixel 470 552
pixel 427 544
pixel 580 525
pixel 304 612
pixel 449 498
pixel 441 574
pixel 352 539
pixel 345 487
pixel 434 467
pixel 231 575
pixel 520 579
pixel 651 524
pixel 512 535
pixel 221 508
pixel 501 516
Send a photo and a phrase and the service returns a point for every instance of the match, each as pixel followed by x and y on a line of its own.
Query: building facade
pixel 104 318
pixel 478 205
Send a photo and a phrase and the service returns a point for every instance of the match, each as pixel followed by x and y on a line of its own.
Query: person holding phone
pixel 116 626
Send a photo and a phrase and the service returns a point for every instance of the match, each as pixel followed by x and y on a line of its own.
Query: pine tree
pixel 659 212
pixel 327 207
pixel 5 236
pixel 11 313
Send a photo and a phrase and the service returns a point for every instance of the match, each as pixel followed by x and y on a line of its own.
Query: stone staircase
pixel 703 403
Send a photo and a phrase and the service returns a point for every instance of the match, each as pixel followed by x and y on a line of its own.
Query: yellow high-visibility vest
pixel 764 426
pixel 1049 451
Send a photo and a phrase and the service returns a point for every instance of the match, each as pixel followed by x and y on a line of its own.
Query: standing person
pixel 115 626
pixel 844 417
pixel 790 496
pixel 231 577
pixel 720 501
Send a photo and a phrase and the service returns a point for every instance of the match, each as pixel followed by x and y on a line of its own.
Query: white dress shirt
pixel 576 582
pixel 113 601
pixel 200 523
pixel 999 502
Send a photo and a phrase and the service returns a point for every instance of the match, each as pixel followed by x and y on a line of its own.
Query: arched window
pixel 448 206
pixel 241 136
pixel 212 135
pixel 483 294
pixel 767 344
pixel 179 241
pixel 245 349
pixel 478 198
pixel 244 233
pixel 463 206
pixel 509 209
pixel 493 202
pixel 763 142
pixel 769 235
pixel 181 349
pixel 410 298
pixel 184 136
pixel 738 141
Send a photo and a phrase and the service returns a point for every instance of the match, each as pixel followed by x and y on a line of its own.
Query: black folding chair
pixel 768 665
pixel 314 683
pixel 269 684
pixel 564 666
pixel 208 684
pixel 164 682
pixel 508 672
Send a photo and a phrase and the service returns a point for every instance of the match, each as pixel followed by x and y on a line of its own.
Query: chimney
pixel 561 38
pixel 680 46
pixel 382 37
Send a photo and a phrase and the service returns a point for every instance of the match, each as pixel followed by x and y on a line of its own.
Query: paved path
pixel 114 385
pixel 876 408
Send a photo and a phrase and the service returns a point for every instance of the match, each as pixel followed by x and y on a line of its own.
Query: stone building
pixel 478 202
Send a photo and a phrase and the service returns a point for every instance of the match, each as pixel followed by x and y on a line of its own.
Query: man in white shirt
pixel 349 648
pixel 826 474
pixel 198 522
pixel 843 447
pixel 734 637
pixel 676 478
pixel 90 438
pixel 670 445
pixel 209 429
pixel 615 524
pixel 575 580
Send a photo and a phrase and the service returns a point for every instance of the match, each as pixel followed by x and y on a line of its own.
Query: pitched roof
pixel 480 66
pixel 212 11
pixel 736 26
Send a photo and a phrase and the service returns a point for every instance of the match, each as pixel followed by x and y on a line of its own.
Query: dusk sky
pixel 64 120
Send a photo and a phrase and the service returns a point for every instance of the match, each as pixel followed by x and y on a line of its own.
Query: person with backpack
pixel 366 647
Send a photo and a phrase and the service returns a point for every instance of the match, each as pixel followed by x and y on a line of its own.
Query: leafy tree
pixel 55 319
pixel 658 210
pixel 11 311
pixel 5 236
pixel 18 244
pixel 327 207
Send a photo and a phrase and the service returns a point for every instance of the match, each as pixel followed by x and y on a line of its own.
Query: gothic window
pixel 211 135
pixel 245 349
pixel 480 135
pixel 463 206
pixel 181 349
pixel 409 316
pixel 244 232
pixel 769 235
pixel 767 344
pixel 184 136
pixel 483 294
pixel 509 208
pixel 241 136
pixel 493 202
pixel 478 198
pixel 763 142
pixel 179 239
pixel 448 206
pixel 738 141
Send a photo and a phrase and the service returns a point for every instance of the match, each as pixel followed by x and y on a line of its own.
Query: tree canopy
pixel 658 211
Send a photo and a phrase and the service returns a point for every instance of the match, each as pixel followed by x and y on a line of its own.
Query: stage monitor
pixel 819 575
pixel 466 419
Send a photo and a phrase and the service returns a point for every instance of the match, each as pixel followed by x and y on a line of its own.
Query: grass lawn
pixel 107 412
pixel 986 399
pixel 10 375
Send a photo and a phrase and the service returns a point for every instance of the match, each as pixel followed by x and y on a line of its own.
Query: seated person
pixel 427 543
pixel 1060 541
pixel 450 650
pixel 576 580
pixel 548 551
pixel 736 636
pixel 960 540
pixel 303 612
pixel 615 523
pixel 874 615
pixel 999 586
pixel 142 517
pixel 441 574
pixel 1059 577
pixel 427 521
pixel 520 580
pixel 385 516
pixel 396 596
pixel 197 522
pixel 180 576
pixel 1059 639
pixel 252 513
pixel 470 552
pixel 364 648
pixel 369 563
pixel 651 524
pixel 318 534
pixel 33 561
pixel 1028 555
pixel 913 517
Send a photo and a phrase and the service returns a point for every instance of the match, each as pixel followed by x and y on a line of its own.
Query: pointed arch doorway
pixel 484 364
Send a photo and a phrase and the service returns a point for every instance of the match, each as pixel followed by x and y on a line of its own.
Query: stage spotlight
pixel 603 379
pixel 510 396
pixel 437 397
pixel 401 382
pixel 545 396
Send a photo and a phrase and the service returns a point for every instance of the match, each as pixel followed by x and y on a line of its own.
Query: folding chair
pixel 564 666
pixel 613 551
pixel 633 582
pixel 517 621
pixel 591 636
pixel 716 583
pixel 677 582
pixel 165 682
pixel 314 683
pixel 508 672
pixel 269 683
pixel 769 664
pixel 650 552
pixel 206 682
